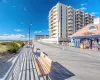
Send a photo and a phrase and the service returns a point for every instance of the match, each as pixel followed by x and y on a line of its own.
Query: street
pixel 84 64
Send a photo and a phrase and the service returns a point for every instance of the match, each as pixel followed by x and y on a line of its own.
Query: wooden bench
pixel 34 49
pixel 43 65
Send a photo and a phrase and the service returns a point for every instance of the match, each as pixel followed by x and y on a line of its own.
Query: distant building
pixel 65 20
pixel 38 37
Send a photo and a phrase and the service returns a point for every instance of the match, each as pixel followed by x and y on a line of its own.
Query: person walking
pixel 63 45
pixel 98 46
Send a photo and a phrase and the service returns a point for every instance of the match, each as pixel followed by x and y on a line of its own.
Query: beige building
pixel 65 20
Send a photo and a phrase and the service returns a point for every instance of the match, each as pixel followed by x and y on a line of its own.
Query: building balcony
pixel 70 25
pixel 70 29
pixel 77 12
pixel 70 10
pixel 86 15
pixel 54 28
pixel 53 19
pixel 69 13
pixel 87 18
pixel 78 16
pixel 78 23
pixel 53 33
pixel 70 33
pixel 53 22
pixel 70 18
pixel 78 26
pixel 78 19
pixel 53 15
pixel 70 21
pixel 86 21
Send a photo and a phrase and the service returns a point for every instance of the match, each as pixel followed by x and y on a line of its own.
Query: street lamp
pixel 29 32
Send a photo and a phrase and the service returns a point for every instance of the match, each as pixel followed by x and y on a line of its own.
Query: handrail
pixel 10 72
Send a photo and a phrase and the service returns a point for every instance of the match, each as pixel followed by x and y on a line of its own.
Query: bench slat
pixel 37 68
pixel 43 67
pixel 48 66
pixel 42 70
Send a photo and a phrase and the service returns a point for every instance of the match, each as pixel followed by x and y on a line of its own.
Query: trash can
pixel 84 45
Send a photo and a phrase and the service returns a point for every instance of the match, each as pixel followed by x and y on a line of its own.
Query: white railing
pixel 13 72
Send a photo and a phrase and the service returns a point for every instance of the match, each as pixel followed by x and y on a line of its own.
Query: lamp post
pixel 29 33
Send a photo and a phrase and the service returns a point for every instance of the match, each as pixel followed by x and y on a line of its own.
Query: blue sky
pixel 16 15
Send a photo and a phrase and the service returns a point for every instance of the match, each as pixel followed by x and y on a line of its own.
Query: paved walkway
pixel 85 65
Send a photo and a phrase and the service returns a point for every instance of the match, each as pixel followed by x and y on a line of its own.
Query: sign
pixel 91 28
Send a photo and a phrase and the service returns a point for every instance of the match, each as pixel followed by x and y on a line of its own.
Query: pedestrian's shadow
pixel 58 72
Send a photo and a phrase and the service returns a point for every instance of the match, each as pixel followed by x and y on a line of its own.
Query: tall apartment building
pixel 65 20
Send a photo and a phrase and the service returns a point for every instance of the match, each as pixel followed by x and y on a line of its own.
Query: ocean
pixel 6 40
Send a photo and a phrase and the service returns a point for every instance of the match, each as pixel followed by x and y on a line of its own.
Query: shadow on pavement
pixel 4 67
pixel 58 72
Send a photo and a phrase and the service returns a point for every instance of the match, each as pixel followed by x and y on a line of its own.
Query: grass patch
pixel 10 47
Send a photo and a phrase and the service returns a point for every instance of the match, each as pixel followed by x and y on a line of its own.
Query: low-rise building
pixel 38 37
pixel 88 36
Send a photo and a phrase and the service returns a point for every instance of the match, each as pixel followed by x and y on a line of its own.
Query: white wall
pixel 49 40
pixel 97 21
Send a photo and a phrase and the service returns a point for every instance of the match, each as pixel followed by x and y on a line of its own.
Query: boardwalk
pixel 28 71
pixel 68 64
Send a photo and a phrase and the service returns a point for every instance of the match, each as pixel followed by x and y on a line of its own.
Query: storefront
pixel 87 38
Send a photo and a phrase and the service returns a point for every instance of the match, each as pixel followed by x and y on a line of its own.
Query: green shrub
pixel 13 47
pixel 21 43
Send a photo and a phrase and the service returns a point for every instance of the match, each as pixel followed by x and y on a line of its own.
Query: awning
pixel 86 36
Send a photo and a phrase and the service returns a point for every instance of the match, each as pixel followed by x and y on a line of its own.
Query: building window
pixel 91 28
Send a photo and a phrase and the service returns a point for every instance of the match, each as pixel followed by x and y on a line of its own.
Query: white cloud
pixel 18 30
pixel 37 31
pixel 83 4
pixel 12 37
pixel 40 31
pixel 83 8
pixel 5 34
pixel 46 30
pixel 93 13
